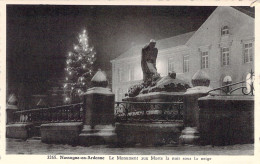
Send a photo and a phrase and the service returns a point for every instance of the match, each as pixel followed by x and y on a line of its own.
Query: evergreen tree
pixel 79 68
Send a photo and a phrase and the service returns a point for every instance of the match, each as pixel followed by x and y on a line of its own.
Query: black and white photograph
pixel 130 80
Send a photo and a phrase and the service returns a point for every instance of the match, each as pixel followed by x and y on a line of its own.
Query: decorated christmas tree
pixel 79 68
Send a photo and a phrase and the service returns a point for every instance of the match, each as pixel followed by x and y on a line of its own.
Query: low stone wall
pixel 19 131
pixel 148 133
pixel 225 120
pixel 61 132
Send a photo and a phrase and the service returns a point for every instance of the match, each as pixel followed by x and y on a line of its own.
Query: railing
pixel 67 113
pixel 247 87
pixel 149 111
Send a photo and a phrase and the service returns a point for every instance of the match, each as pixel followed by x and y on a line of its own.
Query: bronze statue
pixel 152 81
pixel 148 63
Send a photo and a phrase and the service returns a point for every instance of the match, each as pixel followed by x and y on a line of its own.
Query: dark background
pixel 40 36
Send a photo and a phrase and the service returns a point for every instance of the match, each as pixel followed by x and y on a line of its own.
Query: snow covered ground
pixel 32 146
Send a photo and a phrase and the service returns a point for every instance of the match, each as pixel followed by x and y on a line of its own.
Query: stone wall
pixel 225 120
pixel 19 131
pixel 67 133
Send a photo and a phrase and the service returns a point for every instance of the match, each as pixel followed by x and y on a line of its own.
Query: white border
pixel 42 158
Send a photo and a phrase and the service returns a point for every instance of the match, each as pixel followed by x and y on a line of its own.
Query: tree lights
pixel 79 68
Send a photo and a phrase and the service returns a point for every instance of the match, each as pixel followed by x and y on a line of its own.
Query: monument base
pixel 100 134
pixel 153 134
pixel 157 97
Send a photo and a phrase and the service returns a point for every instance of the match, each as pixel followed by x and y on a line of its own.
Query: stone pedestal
pixel 11 107
pixel 200 82
pixel 10 114
pixel 99 117
pixel 191 108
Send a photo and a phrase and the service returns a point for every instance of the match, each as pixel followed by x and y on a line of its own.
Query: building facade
pixel 223 47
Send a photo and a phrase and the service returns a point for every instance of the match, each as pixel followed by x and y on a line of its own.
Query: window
pixel 134 72
pixel 119 75
pixel 138 73
pixel 123 75
pixel 131 73
pixel 225 56
pixel 248 52
pixel 224 30
pixel 204 59
pixel 171 65
pixel 186 63
pixel 119 94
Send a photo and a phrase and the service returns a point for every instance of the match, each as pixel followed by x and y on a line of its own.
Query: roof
pixel 179 39
pixel 12 100
pixel 250 11
pixel 41 103
pixel 160 44
pixel 218 9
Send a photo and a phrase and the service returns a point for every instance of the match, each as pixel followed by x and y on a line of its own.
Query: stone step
pixel 190 136
pixel 35 138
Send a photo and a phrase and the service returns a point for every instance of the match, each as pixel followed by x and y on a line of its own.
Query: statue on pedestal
pixel 148 63
pixel 152 81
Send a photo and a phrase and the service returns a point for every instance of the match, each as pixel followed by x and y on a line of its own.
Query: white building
pixel 223 47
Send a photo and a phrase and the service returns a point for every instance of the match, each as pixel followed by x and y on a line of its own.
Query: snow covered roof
pixel 41 103
pixel 160 44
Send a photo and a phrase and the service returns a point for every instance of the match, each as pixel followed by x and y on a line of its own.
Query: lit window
pixel 225 56
pixel 138 73
pixel 120 74
pixel 119 94
pixel 170 65
pixel 131 73
pixel 204 60
pixel 186 63
pixel 248 52
pixel 123 74
pixel 224 30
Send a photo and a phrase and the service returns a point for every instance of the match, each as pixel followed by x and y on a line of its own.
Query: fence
pixel 66 113
pixel 149 111
pixel 247 87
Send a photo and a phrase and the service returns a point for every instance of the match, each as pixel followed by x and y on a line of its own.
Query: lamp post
pixel 226 81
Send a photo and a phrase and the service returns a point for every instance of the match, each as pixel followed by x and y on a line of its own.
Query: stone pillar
pixel 15 129
pixel 99 117
pixel 11 107
pixel 200 82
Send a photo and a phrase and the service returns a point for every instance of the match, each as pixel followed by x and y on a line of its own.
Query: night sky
pixel 39 37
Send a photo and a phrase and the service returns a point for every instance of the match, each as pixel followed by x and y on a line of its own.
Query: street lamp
pixel 226 81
